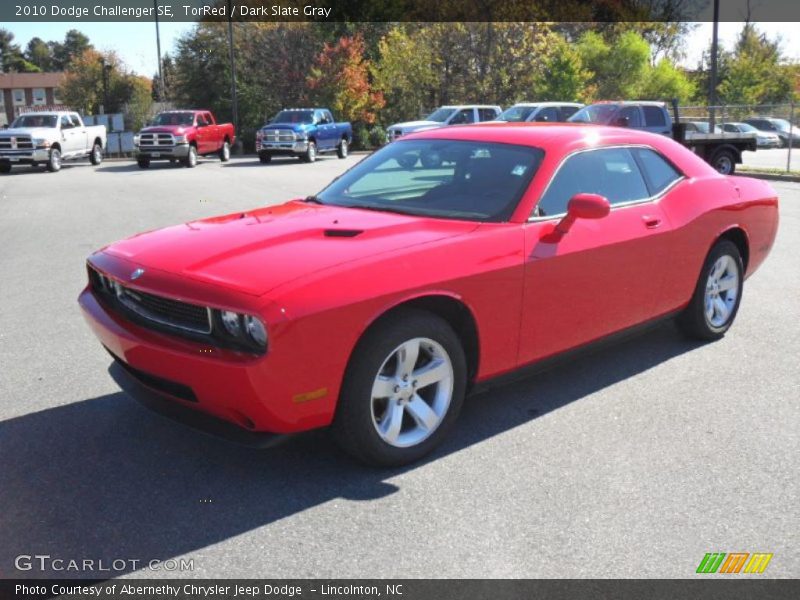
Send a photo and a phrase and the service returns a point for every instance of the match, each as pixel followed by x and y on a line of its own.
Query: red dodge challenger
pixel 441 262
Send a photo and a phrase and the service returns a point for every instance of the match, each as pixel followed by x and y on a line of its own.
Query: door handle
pixel 651 222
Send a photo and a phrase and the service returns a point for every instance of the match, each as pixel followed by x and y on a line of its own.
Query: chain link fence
pixel 777 125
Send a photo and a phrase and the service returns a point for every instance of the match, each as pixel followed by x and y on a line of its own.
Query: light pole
pixel 712 92
pixel 234 105
pixel 161 86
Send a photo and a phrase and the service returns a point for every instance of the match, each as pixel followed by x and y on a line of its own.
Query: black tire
pixel 190 161
pixel 225 152
pixel 310 155
pixel 5 168
pixel 353 427
pixel 693 321
pixel 342 149
pixel 724 161
pixel 96 156
pixel 264 157
pixel 143 163
pixel 54 160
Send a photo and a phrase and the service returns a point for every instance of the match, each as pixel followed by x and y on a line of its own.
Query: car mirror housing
pixel 584 206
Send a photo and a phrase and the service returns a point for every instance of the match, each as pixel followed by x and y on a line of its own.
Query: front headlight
pixel 181 139
pixel 238 330
pixel 136 140
pixel 41 143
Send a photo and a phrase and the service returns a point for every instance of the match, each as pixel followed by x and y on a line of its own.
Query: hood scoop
pixel 342 233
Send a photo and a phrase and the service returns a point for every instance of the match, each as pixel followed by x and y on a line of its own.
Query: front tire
pixel 310 154
pixel 96 157
pixel 716 298
pixel 225 152
pixel 403 390
pixel 342 149
pixel 190 162
pixel 5 168
pixel 143 163
pixel 264 158
pixel 54 160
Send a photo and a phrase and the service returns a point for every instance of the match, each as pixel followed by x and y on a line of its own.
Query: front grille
pixel 278 135
pixel 156 140
pixel 152 308
pixel 16 143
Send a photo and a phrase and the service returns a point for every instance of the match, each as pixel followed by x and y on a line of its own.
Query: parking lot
pixel 633 462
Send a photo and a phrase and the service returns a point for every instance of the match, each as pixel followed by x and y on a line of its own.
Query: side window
pixel 76 122
pixel 548 114
pixel 207 117
pixel 610 172
pixel 65 122
pixel 567 112
pixel 487 114
pixel 631 113
pixel 465 115
pixel 654 116
pixel 327 116
pixel 659 173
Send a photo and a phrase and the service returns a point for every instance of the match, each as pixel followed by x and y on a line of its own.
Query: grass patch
pixel 767 170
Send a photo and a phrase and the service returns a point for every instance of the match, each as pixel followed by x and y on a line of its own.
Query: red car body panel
pixel 531 293
pixel 207 139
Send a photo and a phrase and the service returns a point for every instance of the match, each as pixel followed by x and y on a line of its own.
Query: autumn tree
pixel 340 80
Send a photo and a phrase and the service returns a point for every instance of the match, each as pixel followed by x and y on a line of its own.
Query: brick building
pixel 23 92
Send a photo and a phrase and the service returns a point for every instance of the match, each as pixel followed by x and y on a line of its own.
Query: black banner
pixel 714 587
pixel 76 11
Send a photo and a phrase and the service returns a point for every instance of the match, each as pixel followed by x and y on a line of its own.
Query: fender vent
pixel 343 233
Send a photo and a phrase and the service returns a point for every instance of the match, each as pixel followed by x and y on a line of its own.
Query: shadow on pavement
pixel 104 478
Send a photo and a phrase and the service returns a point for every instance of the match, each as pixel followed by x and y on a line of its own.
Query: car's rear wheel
pixel 225 152
pixel 96 157
pixel 54 160
pixel 342 149
pixel 403 389
pixel 724 162
pixel 716 298
pixel 143 163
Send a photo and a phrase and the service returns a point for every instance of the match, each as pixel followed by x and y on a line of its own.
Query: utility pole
pixel 161 87
pixel 234 105
pixel 712 92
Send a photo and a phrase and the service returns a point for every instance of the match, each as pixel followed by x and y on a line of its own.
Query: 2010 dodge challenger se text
pixel 442 261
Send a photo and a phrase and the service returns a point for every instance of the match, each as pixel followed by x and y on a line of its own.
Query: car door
pixel 201 134
pixel 603 275
pixel 69 137
pixel 213 134
pixel 81 136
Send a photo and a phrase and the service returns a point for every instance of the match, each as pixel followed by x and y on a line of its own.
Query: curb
pixel 770 176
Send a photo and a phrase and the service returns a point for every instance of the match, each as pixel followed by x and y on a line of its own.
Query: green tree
pixel 94 79
pixel 665 81
pixel 38 53
pixel 12 59
pixel 74 45
pixel 618 67
pixel 563 75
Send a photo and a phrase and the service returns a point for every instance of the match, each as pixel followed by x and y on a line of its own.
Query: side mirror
pixel 583 206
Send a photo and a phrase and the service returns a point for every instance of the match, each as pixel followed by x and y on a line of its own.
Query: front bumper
pixel 161 153
pixel 256 394
pixel 15 157
pixel 277 148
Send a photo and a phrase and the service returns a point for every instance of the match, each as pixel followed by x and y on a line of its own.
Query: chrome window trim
pixel 654 198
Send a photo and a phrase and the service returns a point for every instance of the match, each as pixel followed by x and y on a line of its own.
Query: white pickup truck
pixel 49 138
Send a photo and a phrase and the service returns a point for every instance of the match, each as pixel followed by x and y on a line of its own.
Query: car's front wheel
pixel 403 389
pixel 310 155
pixel 716 298
pixel 54 160
pixel 191 158
pixel 264 157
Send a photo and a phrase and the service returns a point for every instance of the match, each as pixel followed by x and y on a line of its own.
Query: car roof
pixel 530 104
pixel 469 106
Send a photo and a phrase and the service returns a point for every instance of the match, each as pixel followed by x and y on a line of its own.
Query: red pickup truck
pixel 183 135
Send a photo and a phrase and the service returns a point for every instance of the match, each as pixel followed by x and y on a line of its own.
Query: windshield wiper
pixel 376 208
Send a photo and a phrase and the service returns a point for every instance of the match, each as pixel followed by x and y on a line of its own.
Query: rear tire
pixel 264 157
pixel 717 296
pixel 225 152
pixel 54 160
pixel 143 163
pixel 391 410
pixel 96 157
pixel 724 162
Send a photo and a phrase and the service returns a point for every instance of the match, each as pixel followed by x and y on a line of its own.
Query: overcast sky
pixel 136 42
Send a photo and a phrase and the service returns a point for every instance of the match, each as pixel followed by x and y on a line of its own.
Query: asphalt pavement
pixel 632 462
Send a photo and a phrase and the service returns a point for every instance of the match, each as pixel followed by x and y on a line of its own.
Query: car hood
pixel 34 132
pixel 416 125
pixel 175 129
pixel 255 252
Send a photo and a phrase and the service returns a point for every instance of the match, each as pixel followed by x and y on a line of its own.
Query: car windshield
pixel 745 127
pixel 597 113
pixel 516 113
pixel 469 180
pixel 294 116
pixel 35 121
pixel 440 115
pixel 781 124
pixel 173 118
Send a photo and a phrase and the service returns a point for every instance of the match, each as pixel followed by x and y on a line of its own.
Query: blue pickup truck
pixel 303 132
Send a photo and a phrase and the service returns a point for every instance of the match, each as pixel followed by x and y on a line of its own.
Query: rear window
pixel 659 173
pixel 654 116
